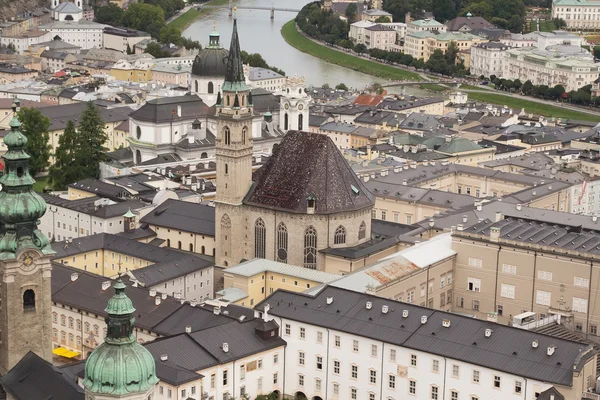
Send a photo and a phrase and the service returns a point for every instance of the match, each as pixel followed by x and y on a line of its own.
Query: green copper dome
pixel 20 207
pixel 120 365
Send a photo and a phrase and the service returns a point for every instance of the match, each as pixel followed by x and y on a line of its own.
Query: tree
pixel 92 138
pixel 559 23
pixel 170 34
pixel 382 20
pixel 517 84
pixel 35 126
pixel 351 12
pixel 155 49
pixel 341 86
pixel 444 10
pixel 66 169
pixel 144 17
pixel 493 78
pixel 527 88
pixel 110 14
pixel 377 88
pixel 11 46
pixel 360 48
pixel 597 51
pixel 129 51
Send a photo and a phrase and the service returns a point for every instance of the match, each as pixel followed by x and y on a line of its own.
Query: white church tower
pixel 294 105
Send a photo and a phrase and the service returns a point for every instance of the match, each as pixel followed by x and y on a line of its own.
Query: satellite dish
pixel 282 254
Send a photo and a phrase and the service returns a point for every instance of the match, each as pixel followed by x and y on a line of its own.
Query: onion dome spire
pixel 120 365
pixel 20 207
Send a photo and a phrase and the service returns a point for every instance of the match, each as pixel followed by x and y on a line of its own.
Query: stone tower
pixel 120 368
pixel 234 156
pixel 25 292
pixel 294 105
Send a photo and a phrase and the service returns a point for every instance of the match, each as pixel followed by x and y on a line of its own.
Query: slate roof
pixel 67 7
pixel 459 145
pixel 61 115
pixel 33 378
pixel 508 349
pixel 183 216
pixel 308 164
pixel 165 109
pixel 472 22
pixel 88 206
pixel 101 189
pixel 314 119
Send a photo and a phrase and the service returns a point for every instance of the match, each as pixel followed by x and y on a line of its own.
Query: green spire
pixel 20 207
pixel 234 74
pixel 129 214
pixel 120 365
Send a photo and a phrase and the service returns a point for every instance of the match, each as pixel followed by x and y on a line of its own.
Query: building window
pixel 434 393
pixel 29 300
pixel 475 262
pixel 300 380
pixel 372 376
pixel 275 378
pixel 412 386
pixel 413 360
pixel 225 378
pixel 374 350
pixel 545 275
pixel 543 298
pixel 362 230
pixel 353 393
pixel 453 395
pixel 336 389
pixel 340 235
pixel 310 248
pixel 355 345
pixel 507 291
pixel 496 381
pixel 337 341
pixel 211 87
pixel 474 284
pixel 580 305
pixel 476 305
pixel 301 358
pixel 435 365
pixel 319 362
pixel 336 367
pixel 581 282
pixel 275 358
pixel 518 387
pixel 476 376
pixel 392 355
pixel 317 384
pixel 227 134
pixel 455 370
pixel 300 121
pixel 354 372
pixel 509 269
pixel 260 244
pixel 319 337
pixel 282 243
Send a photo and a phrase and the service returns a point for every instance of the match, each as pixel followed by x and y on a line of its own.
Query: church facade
pixel 305 199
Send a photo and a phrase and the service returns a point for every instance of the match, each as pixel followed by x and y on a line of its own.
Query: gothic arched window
pixel 244 133
pixel 310 248
pixel 204 155
pixel 211 88
pixel 300 121
pixel 227 136
pixel 29 300
pixel 340 235
pixel 282 243
pixel 362 230
pixel 196 86
pixel 260 242
pixel 285 122
pixel 138 132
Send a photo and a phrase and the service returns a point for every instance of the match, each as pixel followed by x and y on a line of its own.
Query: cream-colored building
pixel 487 59
pixel 581 15
pixel 170 75
pixel 118 38
pixel 424 25
pixel 252 281
pixel 421 44
pixel 570 66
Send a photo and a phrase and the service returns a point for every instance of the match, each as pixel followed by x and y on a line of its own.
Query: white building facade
pixel 487 58
pixel 578 14
pixel 85 34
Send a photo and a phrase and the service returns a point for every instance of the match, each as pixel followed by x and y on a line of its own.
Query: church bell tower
pixel 234 156
pixel 25 292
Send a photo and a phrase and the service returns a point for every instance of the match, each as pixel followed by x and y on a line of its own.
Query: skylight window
pixel 354 189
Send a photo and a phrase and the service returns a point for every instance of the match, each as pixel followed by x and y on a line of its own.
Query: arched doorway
pixel 300 396
pixel 317 398
pixel 275 394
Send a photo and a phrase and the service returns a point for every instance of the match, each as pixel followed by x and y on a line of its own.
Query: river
pixel 260 34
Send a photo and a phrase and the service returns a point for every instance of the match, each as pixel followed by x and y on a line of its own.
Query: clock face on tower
pixel 300 106
pixel 27 261
pixel 287 106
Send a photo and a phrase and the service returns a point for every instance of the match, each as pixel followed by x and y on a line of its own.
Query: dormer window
pixel 311 202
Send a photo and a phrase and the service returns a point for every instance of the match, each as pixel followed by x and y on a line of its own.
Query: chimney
pixel 494 234
pixel 519 207
pixel 533 193
pixel 479 207
pixel 384 309
pixel 423 319
pixel 179 111
pixel 105 284
pixel 164 357
pixel 550 350
pixel 74 276
pixel 465 219
pixel 163 296
pixel 446 323
pixel 152 292
pixel 369 305
pixel 366 178
pixel 404 182
pixel 594 218
pixel 226 347
pixel 193 303
pixel 188 329
pixel 535 344
pixel 329 300
pixel 488 332
pixel 157 300
pixel 499 216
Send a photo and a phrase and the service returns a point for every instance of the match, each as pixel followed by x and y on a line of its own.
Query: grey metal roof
pixel 88 206
pixel 67 7
pixel 160 272
pixel 183 216
pixel 61 115
pixel 165 109
pixel 257 74
pixel 507 349
pixel 34 378
pixel 101 189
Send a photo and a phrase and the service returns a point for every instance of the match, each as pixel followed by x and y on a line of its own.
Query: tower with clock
pixel 294 105
pixel 25 291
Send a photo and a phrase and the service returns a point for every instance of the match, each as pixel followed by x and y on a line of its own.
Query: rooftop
pixel 183 216
pixel 259 265
pixel 507 349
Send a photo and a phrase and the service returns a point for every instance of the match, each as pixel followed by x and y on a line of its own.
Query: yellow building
pixel 422 44
pixel 138 71
pixel 251 282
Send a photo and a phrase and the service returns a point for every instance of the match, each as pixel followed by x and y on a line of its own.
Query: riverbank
pixel 190 16
pixel 297 40
pixel 531 106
